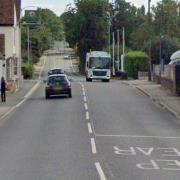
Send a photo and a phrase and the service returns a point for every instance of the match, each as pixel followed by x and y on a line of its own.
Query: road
pixel 106 131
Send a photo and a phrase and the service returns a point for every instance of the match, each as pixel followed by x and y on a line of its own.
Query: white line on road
pixel 87 115
pixel 86 106
pixel 93 146
pixel 89 128
pixel 19 104
pixel 137 136
pixel 100 171
pixel 84 93
pixel 32 90
pixel 85 99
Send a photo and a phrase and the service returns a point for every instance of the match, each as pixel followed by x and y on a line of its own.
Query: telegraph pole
pixel 149 23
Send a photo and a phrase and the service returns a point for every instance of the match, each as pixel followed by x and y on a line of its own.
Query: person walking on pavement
pixel 3 89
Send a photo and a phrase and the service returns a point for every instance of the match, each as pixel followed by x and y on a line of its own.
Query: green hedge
pixel 135 61
pixel 27 70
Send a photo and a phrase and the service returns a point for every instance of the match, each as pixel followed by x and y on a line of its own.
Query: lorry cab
pixel 98 64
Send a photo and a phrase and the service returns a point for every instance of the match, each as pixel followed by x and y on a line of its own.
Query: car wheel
pixel 70 94
pixel 47 96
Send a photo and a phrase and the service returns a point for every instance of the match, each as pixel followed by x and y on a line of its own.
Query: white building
pixel 10 45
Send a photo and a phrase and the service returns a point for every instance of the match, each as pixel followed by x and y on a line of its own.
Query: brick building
pixel 10 46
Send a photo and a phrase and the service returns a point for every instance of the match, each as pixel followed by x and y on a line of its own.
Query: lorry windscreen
pixel 99 63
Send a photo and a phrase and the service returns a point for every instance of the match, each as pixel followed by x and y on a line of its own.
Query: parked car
pixel 58 84
pixel 55 71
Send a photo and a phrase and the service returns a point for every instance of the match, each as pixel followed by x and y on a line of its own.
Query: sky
pixel 58 6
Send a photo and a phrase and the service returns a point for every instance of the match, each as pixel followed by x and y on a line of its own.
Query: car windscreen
pixel 57 80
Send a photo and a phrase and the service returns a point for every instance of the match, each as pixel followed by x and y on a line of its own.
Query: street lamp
pixel 28 32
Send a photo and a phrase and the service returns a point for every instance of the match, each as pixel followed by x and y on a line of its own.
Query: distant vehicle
pixel 58 85
pixel 66 56
pixel 98 64
pixel 55 71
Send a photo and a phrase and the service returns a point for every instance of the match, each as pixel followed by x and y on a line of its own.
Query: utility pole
pixel 28 37
pixel 149 23
pixel 113 55
pixel 122 56
pixel 118 48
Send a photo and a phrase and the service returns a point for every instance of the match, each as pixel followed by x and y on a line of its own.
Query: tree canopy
pixel 86 26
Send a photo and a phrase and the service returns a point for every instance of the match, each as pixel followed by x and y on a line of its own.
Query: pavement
pixel 16 98
pixel 158 94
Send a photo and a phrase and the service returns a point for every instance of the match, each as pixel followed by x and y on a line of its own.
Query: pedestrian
pixel 3 89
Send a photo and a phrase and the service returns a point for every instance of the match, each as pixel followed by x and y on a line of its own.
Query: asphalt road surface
pixel 106 131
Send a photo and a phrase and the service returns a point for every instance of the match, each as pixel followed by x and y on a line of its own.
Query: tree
pixel 167 18
pixel 87 26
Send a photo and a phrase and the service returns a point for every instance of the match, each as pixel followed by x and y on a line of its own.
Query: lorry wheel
pixel 88 80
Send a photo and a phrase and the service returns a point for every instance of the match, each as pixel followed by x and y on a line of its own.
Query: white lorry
pixel 98 65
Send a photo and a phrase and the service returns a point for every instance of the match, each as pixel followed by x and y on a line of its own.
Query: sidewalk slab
pixel 12 99
pixel 158 94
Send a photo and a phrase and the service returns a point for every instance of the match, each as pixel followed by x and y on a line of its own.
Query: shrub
pixel 27 70
pixel 135 61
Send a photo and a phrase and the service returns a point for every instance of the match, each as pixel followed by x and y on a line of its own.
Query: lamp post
pixel 28 30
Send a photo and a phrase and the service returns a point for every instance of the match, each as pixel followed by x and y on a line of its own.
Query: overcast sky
pixel 58 6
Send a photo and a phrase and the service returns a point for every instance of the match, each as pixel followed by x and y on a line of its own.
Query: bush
pixel 122 75
pixel 135 61
pixel 27 70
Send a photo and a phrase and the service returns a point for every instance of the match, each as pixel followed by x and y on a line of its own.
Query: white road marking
pixel 100 171
pixel 84 93
pixel 85 106
pixel 85 99
pixel 19 104
pixel 93 146
pixel 89 128
pixel 137 136
pixel 87 115
pixel 8 112
pixel 32 90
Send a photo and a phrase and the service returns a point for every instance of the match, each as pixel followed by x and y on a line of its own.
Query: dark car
pixel 55 71
pixel 58 84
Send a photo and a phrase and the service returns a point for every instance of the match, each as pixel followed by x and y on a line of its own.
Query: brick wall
pixel 7 11
pixel 2 45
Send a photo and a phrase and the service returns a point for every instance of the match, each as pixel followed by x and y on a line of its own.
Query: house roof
pixel 7 11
